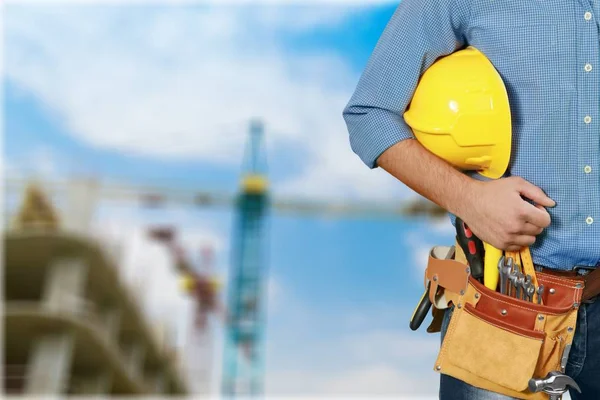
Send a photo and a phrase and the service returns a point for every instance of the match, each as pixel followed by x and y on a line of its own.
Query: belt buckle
pixel 583 270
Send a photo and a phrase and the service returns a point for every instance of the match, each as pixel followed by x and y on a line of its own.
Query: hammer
pixel 555 384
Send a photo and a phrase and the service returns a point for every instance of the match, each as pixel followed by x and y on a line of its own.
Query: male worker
pixel 548 55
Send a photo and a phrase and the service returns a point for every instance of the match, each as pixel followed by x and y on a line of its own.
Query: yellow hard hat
pixel 460 112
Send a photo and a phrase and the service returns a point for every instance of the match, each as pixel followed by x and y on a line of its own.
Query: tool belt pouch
pixel 497 342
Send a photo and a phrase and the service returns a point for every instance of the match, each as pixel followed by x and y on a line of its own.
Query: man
pixel 548 55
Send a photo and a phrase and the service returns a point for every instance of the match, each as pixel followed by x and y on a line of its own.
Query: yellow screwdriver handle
pixel 490 266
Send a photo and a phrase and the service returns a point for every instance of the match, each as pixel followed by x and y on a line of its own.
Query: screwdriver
pixel 491 257
pixel 472 246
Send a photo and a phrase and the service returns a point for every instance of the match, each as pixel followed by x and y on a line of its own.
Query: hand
pixel 498 215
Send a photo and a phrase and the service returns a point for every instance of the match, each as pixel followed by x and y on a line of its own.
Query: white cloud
pixel 420 247
pixel 361 356
pixel 356 380
pixel 44 162
pixel 380 379
pixel 10 169
pixel 116 223
pixel 443 226
pixel 372 363
pixel 173 83
pixel 378 345
pixel 421 256
pixel 41 162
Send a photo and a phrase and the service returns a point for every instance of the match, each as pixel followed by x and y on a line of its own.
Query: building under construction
pixel 71 324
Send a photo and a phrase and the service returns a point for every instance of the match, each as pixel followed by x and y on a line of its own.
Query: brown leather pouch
pixel 497 342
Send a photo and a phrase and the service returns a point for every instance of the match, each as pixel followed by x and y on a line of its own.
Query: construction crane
pixel 243 356
pixel 243 364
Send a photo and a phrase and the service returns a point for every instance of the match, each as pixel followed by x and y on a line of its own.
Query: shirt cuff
pixel 374 132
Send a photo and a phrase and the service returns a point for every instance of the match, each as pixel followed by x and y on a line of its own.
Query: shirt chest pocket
pixel 531 61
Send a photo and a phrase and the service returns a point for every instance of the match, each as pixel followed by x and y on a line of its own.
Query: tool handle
pixel 472 246
pixel 421 311
pixel 491 259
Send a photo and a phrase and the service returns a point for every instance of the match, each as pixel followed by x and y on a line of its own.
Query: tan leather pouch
pixel 497 342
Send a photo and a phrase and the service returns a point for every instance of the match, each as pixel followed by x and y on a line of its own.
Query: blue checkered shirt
pixel 547 53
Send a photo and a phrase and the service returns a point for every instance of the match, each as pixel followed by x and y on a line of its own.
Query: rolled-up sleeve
pixel 419 32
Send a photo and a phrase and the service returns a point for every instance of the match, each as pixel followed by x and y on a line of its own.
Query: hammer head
pixel 555 383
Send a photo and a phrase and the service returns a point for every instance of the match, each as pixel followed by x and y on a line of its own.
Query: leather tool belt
pixel 591 288
pixel 498 342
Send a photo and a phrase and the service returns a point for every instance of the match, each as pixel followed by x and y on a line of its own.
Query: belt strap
pixel 592 285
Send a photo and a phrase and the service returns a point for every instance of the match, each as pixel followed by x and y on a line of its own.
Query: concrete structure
pixel 72 327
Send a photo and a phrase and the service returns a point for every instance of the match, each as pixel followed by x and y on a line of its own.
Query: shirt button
pixel 587 119
pixel 587 169
pixel 588 67
pixel 589 220
pixel 587 16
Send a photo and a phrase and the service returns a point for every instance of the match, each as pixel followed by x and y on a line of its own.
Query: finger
pixel 537 216
pixel 534 193
pixel 513 247
pixel 523 241
pixel 530 229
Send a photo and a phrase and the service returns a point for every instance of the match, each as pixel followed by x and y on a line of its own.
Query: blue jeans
pixel 583 365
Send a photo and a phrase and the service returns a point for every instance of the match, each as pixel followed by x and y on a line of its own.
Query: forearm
pixel 428 175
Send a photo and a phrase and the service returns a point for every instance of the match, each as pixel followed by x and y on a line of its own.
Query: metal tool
pixel 503 271
pixel 472 246
pixel 502 277
pixel 524 288
pixel 554 384
pixel 511 267
pixel 505 266
pixel 528 267
pixel 540 292
pixel 530 292
pixel 424 305
pixel 514 272
pixel 519 288
pixel 512 280
pixel 528 289
pixel 565 358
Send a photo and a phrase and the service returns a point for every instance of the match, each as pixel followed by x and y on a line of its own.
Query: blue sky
pixel 163 95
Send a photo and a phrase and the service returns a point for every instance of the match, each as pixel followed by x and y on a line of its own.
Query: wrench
pixel 501 273
pixel 512 280
pixel 510 265
pixel 540 292
pixel 530 292
pixel 520 285
pixel 504 267
pixel 528 289
pixel 517 269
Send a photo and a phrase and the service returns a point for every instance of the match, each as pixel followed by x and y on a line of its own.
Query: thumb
pixel 536 194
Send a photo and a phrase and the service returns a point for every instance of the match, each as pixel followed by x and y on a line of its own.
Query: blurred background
pixel 183 214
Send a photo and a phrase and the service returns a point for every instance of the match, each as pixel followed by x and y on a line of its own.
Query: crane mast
pixel 243 355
